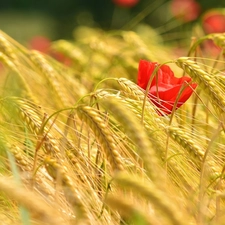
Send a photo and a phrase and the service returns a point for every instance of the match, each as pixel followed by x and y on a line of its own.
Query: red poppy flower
pixel 126 3
pixel 185 10
pixel 164 87
pixel 214 22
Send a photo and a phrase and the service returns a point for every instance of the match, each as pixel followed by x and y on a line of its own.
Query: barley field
pixel 83 143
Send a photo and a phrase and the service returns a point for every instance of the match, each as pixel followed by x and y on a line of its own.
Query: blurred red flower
pixel 213 22
pixel 40 43
pixel 43 44
pixel 185 10
pixel 164 87
pixel 210 48
pixel 126 3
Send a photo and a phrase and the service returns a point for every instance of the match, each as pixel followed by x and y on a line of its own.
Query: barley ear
pixel 130 89
pixel 218 39
pixel 135 131
pixel 8 49
pixel 193 150
pixel 100 128
pixel 25 89
pixel 127 210
pixel 151 193
pixel 70 50
pixel 51 75
pixel 43 212
pixel 205 81
pixel 60 173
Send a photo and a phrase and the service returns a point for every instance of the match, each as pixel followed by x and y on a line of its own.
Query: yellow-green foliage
pixel 79 145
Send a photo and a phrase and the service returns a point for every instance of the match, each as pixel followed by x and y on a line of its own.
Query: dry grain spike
pixel 93 119
pixel 21 159
pixel 128 210
pixel 151 193
pixel 70 50
pixel 31 115
pixel 194 150
pixel 33 121
pixel 156 131
pixel 8 49
pixel 51 75
pixel 13 67
pixel 151 121
pixel 136 133
pixel 44 212
pixel 57 171
pixel 187 143
pixel 219 39
pixel 204 80
pixel 131 89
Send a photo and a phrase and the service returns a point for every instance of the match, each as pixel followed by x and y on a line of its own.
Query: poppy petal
pixel 145 71
pixel 165 87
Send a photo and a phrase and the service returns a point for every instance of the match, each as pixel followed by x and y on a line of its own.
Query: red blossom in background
pixel 164 91
pixel 40 43
pixel 210 48
pixel 126 3
pixel 213 22
pixel 185 10
pixel 43 44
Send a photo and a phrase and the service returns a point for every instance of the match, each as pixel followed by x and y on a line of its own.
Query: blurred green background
pixel 56 19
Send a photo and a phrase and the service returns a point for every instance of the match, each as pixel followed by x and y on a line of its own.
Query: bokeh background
pixel 56 19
